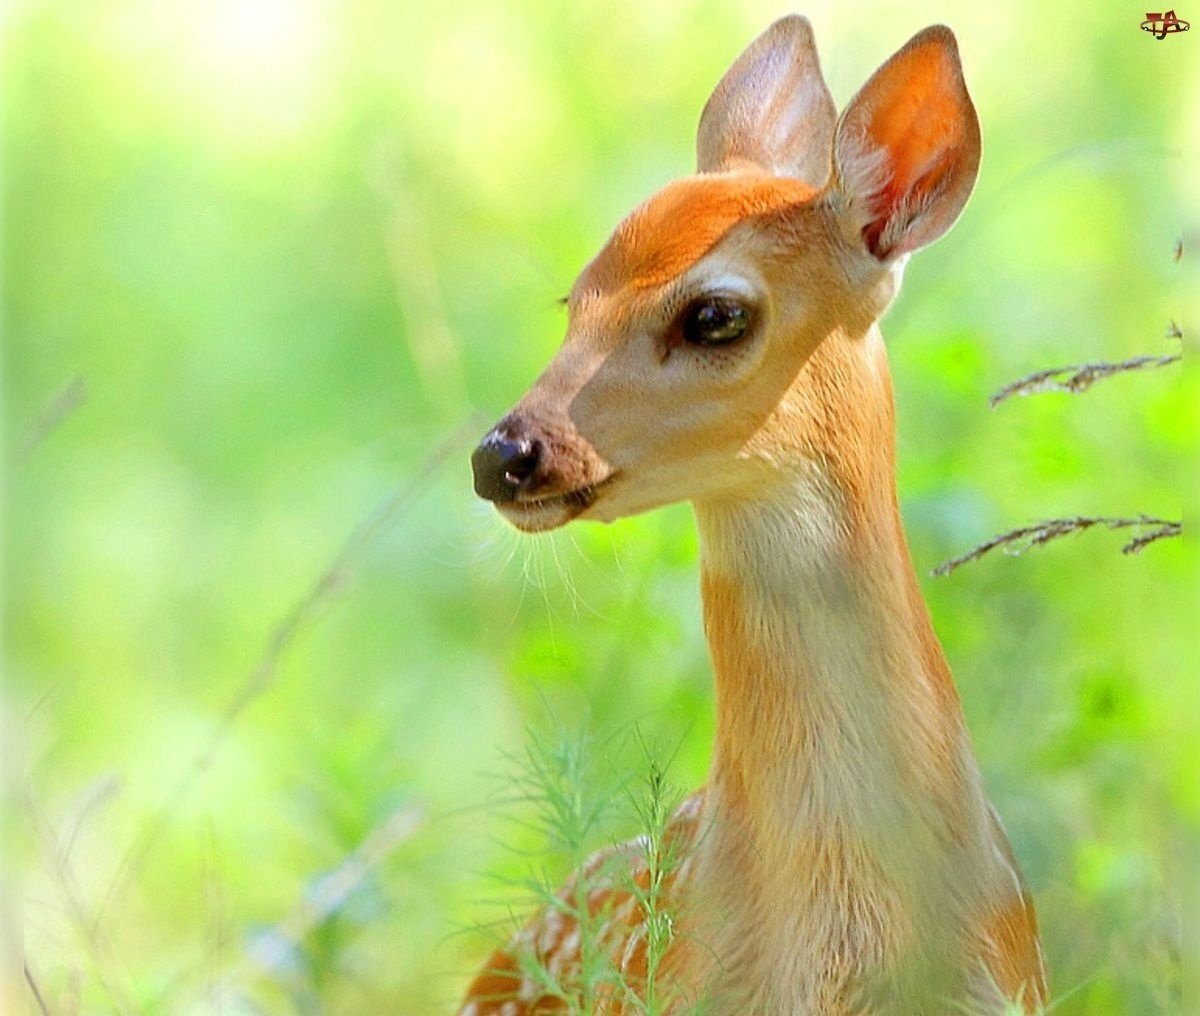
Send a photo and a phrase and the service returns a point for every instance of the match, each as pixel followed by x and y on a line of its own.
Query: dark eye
pixel 714 321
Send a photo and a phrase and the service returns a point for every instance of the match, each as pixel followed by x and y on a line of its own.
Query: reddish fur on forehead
pixel 679 225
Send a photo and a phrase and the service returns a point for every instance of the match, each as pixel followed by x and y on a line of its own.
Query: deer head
pixel 687 369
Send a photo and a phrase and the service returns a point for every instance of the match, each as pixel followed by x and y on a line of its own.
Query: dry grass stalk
pixel 36 991
pixel 61 404
pixel 113 979
pixel 1079 377
pixel 1017 541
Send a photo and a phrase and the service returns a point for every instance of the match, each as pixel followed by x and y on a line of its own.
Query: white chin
pixel 538 517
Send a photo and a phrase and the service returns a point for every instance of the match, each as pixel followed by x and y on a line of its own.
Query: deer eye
pixel 714 321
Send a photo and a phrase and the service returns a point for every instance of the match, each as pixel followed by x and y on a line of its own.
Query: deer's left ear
pixel 772 109
pixel 906 152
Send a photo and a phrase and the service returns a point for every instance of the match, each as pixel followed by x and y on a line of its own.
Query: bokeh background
pixel 272 266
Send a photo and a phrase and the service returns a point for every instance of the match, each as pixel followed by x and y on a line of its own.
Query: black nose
pixel 504 465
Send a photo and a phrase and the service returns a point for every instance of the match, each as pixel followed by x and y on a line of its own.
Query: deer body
pixel 723 348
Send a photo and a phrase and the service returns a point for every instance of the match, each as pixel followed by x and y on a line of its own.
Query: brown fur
pixel 843 858
pixel 680 224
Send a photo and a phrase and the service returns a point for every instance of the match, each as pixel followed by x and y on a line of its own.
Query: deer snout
pixel 506 462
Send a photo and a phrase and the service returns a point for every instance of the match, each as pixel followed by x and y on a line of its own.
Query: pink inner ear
pixel 916 119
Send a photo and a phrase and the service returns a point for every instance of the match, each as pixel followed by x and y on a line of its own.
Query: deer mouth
pixel 541 514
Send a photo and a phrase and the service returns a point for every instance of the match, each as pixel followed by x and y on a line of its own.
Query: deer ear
pixel 906 152
pixel 772 109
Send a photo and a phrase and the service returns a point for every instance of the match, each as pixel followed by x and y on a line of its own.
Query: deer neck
pixel 839 737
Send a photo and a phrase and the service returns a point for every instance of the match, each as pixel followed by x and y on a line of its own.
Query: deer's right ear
pixel 906 152
pixel 772 109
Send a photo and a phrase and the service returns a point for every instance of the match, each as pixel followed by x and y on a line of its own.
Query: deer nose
pixel 504 465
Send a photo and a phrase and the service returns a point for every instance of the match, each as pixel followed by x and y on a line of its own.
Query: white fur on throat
pixel 847 829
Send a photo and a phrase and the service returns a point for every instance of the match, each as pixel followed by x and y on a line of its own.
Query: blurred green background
pixel 272 266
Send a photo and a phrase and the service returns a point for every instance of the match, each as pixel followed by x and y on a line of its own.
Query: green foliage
pixel 299 255
pixel 572 795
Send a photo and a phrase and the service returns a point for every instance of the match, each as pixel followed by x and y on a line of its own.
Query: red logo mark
pixel 1163 24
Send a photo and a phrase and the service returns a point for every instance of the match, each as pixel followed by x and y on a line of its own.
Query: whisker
pixel 540 563
pixel 565 576
pixel 588 562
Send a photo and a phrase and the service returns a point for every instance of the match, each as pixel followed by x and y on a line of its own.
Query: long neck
pixel 831 685
pixel 837 718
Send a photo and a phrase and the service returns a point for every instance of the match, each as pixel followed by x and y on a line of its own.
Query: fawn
pixel 723 349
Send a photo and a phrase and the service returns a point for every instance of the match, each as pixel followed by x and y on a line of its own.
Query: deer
pixel 723 349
